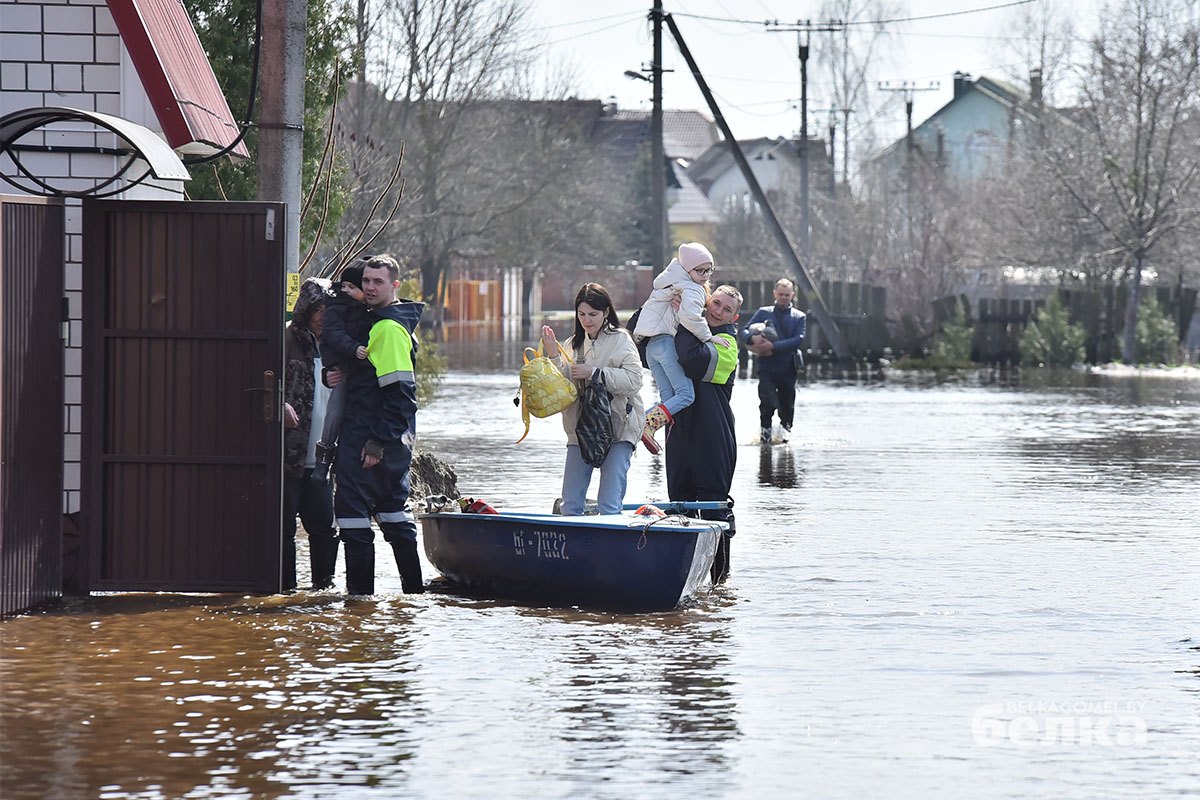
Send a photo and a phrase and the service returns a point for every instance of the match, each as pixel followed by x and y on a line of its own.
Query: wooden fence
pixel 999 322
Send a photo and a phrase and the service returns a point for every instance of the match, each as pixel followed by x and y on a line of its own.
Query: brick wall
pixel 69 53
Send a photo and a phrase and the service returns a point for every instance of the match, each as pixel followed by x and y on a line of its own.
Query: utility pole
pixel 817 306
pixel 281 119
pixel 908 88
pixel 658 176
pixel 803 31
pixel 832 156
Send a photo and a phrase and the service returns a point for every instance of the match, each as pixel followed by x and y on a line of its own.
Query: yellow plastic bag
pixel 545 391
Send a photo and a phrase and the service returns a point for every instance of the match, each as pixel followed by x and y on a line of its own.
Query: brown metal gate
pixel 31 396
pixel 182 383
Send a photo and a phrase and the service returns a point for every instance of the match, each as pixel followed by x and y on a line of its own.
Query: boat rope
pixel 680 518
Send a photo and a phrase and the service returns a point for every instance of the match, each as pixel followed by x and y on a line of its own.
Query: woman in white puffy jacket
pixel 600 344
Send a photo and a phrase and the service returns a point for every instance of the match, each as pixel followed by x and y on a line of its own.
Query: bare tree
pixel 853 57
pixel 1129 159
pixel 487 154
pixel 1042 42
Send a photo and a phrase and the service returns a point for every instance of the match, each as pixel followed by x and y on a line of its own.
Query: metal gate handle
pixel 270 389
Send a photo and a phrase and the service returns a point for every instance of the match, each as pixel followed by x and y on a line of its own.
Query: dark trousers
pixel 380 492
pixel 776 393
pixel 312 501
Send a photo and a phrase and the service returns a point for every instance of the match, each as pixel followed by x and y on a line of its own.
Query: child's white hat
pixel 694 254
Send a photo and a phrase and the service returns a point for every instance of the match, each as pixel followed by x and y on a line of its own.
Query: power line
pixel 639 16
pixel 629 14
pixel 853 23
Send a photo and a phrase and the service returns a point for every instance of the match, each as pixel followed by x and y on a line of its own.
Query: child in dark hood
pixel 343 342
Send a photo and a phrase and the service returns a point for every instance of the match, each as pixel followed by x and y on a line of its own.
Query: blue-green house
pixel 971 136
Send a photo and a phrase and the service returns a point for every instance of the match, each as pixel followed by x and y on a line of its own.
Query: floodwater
pixel 967 588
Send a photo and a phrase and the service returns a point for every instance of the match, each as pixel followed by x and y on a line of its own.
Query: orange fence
pixel 473 301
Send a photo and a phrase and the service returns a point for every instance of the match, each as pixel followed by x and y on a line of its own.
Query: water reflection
pixel 918 551
pixel 163 696
pixel 684 719
pixel 777 467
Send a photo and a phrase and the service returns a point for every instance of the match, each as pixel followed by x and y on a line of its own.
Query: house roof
pixel 687 204
pixel 1000 92
pixel 686 134
pixel 718 159
pixel 177 75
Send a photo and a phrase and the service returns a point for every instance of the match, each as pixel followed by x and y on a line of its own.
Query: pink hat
pixel 694 254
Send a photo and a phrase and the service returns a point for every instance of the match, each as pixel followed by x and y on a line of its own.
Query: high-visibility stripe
pixel 354 522
pixel 402 376
pixel 711 369
pixel 395 516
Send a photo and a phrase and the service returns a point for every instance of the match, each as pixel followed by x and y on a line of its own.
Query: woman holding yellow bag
pixel 601 347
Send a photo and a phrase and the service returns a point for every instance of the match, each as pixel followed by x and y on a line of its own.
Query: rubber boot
pixel 656 417
pixel 409 565
pixel 287 579
pixel 360 568
pixel 322 555
pixel 720 566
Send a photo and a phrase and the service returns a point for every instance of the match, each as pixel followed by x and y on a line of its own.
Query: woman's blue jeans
pixel 578 475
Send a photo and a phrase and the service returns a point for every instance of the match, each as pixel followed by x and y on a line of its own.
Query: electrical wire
pixel 249 118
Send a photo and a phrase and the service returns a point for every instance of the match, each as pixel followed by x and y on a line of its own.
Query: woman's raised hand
pixel 549 342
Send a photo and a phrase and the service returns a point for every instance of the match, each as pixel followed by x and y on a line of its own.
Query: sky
pixel 755 73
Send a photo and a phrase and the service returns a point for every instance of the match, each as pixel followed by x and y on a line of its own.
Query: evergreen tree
pixel 1050 340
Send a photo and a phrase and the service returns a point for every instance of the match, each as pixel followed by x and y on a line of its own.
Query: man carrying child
pixel 377 435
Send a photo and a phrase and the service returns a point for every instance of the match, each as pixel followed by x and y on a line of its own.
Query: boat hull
pixel 592 562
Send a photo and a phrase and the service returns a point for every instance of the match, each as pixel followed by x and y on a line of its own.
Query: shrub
pixel 1156 335
pixel 1051 340
pixel 952 344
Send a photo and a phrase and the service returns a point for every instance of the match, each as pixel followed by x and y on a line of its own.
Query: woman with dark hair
pixel 303 415
pixel 600 346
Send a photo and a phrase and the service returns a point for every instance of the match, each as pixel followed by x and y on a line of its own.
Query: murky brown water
pixel 959 590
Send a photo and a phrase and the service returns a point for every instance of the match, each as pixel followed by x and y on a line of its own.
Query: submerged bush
pixel 1050 339
pixel 952 344
pixel 1156 336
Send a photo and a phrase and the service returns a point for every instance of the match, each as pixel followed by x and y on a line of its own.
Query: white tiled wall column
pixel 69 53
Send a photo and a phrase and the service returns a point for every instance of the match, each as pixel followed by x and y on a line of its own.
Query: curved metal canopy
pixel 161 161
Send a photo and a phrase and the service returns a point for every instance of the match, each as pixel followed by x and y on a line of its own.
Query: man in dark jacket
pixel 774 335
pixel 377 437
pixel 702 448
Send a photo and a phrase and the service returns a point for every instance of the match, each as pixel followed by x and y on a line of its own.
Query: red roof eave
pixel 176 73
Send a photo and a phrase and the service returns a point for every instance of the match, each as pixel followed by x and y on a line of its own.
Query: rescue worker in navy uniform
pixel 775 345
pixel 378 434
pixel 702 448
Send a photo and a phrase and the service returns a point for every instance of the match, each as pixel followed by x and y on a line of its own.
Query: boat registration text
pixel 541 544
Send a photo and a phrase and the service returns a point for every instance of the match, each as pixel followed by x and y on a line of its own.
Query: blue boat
pixel 618 562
